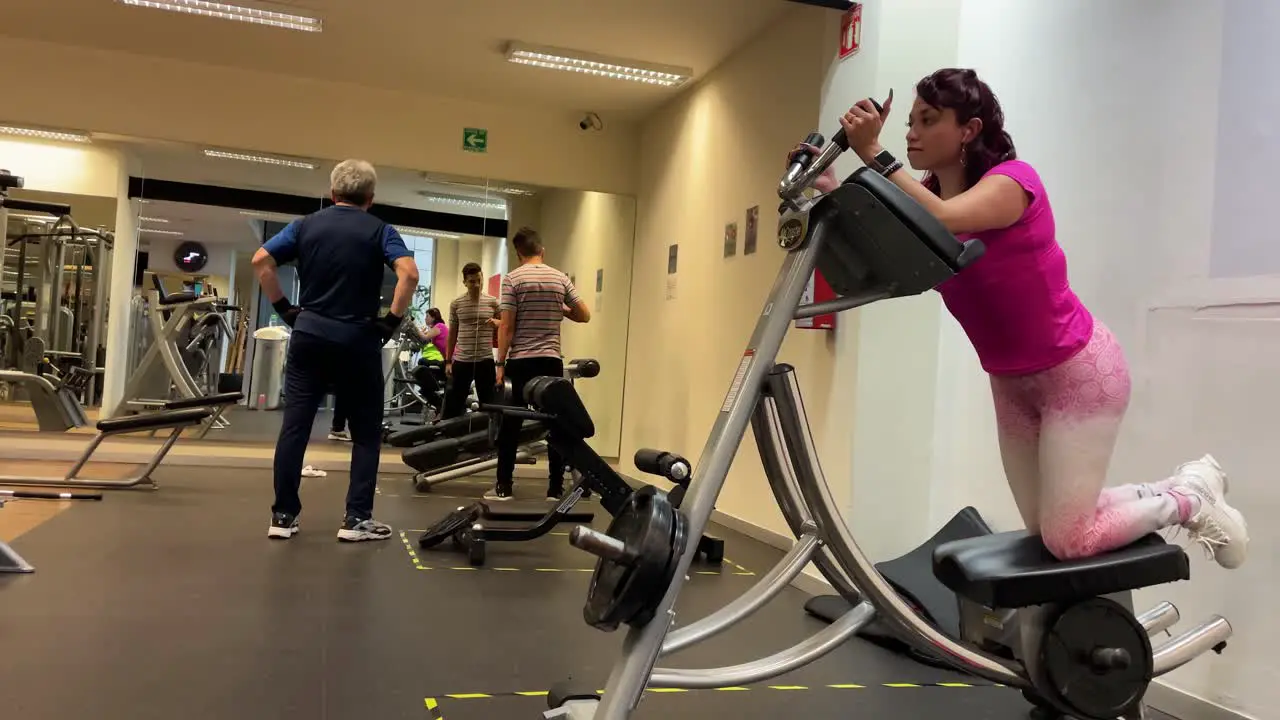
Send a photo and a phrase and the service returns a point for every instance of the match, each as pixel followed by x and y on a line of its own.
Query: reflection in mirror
pixel 58 212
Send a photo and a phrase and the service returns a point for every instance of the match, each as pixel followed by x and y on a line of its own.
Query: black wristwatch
pixel 885 163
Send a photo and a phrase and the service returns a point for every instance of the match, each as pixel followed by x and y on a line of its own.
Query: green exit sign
pixel 475 140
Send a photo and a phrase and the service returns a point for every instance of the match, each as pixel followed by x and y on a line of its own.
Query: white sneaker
pixel 340 436
pixel 354 530
pixel 1218 527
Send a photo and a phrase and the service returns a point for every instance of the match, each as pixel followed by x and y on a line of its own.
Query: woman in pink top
pixel 1058 376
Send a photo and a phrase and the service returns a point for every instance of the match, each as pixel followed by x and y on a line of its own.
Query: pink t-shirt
pixel 1015 302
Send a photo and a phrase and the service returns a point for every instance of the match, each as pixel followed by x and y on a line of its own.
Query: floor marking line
pixel 433 709
pixel 677 691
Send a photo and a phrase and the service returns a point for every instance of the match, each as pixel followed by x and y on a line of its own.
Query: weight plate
pixel 657 590
pixel 449 524
pixel 621 592
pixel 1072 653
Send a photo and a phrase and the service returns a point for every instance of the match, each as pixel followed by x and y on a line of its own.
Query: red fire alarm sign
pixel 851 31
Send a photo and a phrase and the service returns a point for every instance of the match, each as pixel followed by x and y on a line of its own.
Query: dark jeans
pixel 485 376
pixel 520 372
pixel 354 373
pixel 339 415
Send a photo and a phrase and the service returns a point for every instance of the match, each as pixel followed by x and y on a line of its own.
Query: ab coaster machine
pixel 1064 633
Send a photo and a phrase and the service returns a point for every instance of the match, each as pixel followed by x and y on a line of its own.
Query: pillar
pixel 119 318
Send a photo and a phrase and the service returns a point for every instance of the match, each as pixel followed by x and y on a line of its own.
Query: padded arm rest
pixel 176 298
pixel 453 427
pixel 230 398
pixel 155 420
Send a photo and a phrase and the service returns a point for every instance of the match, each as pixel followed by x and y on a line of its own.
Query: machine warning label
pixel 738 379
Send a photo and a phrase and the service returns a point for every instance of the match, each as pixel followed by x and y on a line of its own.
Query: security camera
pixel 590 121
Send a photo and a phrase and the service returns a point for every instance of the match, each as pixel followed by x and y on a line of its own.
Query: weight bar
pixel 39 495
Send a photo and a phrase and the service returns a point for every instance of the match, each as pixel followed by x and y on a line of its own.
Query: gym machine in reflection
pixel 186 330
pixel 54 280
pixel 1064 633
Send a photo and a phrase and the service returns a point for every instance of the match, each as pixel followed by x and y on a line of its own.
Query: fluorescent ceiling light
pixel 153 231
pixel 265 159
pixel 466 202
pixel 599 65
pixel 152 220
pixel 32 218
pixel 423 232
pixel 270 215
pixel 233 12
pixel 62 135
pixel 503 190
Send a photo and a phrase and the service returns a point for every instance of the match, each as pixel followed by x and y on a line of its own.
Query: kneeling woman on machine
pixel 1058 375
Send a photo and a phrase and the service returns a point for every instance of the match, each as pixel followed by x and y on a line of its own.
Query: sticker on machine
pixel 738 378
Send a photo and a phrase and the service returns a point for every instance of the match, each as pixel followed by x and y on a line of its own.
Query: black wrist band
pixel 893 168
pixel 282 306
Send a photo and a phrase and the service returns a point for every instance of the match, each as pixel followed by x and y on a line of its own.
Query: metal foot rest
pixel 1015 570
pixel 10 560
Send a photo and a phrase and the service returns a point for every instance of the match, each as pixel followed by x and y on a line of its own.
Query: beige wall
pixel 705 159
pixel 188 102
pixel 72 168
pixel 585 232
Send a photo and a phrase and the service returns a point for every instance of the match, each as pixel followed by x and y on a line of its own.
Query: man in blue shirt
pixel 337 338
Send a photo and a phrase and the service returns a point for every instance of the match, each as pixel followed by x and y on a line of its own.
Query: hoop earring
pixel 964 154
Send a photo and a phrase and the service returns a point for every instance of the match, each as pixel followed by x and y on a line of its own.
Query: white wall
pixel 71 168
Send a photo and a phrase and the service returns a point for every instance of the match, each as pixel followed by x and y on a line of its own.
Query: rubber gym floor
pixel 174 603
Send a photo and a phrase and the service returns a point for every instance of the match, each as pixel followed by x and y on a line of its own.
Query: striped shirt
pixel 471 320
pixel 537 294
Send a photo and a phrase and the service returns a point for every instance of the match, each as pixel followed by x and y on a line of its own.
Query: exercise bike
pixel 1064 633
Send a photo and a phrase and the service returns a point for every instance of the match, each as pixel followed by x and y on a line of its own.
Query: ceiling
pixel 450 48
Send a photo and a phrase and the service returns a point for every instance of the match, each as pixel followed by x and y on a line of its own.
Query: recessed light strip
pixel 62 135
pixel 225 11
pixel 598 65
pixel 153 231
pixel 466 202
pixel 424 232
pixel 265 159
pixel 152 220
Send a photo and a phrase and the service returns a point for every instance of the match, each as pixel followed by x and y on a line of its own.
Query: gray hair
pixel 353 181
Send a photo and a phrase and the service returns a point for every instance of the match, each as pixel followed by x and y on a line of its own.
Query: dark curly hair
pixel 969 97
pixel 435 317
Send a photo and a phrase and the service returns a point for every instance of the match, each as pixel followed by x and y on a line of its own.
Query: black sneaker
pixel 500 493
pixel 555 493
pixel 354 530
pixel 283 526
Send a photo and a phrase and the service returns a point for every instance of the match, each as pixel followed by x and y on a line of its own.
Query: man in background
pixel 472 320
pixel 536 298
pixel 337 338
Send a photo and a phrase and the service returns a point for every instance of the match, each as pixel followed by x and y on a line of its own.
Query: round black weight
pixel 679 538
pixel 449 524
pixel 1097 660
pixel 625 592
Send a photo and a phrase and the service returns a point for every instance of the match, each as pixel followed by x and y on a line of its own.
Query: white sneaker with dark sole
pixel 1218 527
pixel 361 530
pixel 340 435
pixel 282 526
pixel 499 494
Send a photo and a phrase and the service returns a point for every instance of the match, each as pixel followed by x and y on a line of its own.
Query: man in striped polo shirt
pixel 535 299
pixel 472 319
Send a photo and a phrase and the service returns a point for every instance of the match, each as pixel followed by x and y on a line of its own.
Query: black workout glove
pixel 387 326
pixel 287 311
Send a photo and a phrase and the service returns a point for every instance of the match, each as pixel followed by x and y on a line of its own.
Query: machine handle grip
pixel 840 139
pixel 664 464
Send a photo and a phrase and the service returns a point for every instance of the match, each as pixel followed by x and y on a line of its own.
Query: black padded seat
pixel 156 420
pixel 206 401
pixel 1014 570
pixel 919 221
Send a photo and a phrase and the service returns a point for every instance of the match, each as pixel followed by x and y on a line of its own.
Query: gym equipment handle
pixel 601 545
pixel 9 180
pixel 664 464
pixel 58 209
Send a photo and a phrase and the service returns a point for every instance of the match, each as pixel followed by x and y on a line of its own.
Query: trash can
pixel 390 356
pixel 270 347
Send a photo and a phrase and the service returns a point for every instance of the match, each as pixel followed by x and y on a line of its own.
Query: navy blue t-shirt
pixel 341 252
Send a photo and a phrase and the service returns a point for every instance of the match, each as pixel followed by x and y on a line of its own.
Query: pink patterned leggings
pixel 1057 432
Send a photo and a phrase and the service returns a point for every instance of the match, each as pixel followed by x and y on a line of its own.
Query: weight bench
pixel 450 458
pixel 175 420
